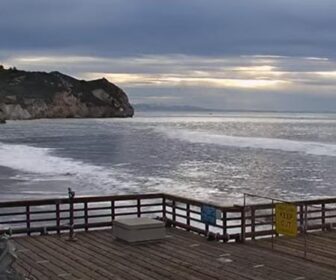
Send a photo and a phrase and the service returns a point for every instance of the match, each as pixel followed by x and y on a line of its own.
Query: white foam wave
pixel 36 160
pixel 39 164
pixel 311 148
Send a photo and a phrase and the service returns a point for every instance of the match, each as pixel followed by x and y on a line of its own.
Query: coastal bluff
pixel 34 95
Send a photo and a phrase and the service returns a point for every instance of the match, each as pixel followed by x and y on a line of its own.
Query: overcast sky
pixel 239 54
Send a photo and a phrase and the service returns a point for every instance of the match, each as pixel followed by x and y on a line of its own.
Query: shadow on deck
pixel 183 255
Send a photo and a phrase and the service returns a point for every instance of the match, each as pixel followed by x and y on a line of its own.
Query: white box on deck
pixel 138 229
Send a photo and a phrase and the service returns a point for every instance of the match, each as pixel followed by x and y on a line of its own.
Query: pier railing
pixel 78 213
pixel 88 213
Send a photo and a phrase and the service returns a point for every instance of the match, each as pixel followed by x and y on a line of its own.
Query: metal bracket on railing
pixel 226 237
pixel 211 236
pixel 44 231
pixel 239 238
pixel 71 233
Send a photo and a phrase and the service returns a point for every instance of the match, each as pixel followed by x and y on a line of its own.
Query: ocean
pixel 213 157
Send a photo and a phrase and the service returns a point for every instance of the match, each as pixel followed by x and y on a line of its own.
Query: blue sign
pixel 208 215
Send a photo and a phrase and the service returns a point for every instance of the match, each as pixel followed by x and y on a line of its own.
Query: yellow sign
pixel 286 219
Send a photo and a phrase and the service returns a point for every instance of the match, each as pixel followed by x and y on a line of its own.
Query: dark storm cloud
pixel 194 27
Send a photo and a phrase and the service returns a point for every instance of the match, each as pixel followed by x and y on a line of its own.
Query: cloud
pixel 246 72
pixel 276 54
pixel 191 27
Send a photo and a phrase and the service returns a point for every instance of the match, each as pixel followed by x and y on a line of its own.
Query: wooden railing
pixel 58 215
pixel 88 213
pixel 319 214
pixel 249 222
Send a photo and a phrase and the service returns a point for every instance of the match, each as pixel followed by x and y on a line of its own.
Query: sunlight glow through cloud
pixel 139 80
pixel 264 72
pixel 327 74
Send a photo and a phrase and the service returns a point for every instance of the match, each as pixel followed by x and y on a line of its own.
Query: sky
pixel 221 54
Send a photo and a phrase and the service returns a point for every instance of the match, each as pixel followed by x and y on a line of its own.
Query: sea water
pixel 214 157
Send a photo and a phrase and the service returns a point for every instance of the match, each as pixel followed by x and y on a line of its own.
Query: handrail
pixel 17 203
pixel 296 202
pixel 197 202
pixel 79 199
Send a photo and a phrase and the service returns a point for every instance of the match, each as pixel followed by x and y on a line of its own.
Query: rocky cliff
pixel 32 95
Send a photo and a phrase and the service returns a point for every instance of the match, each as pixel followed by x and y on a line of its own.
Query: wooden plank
pixel 83 260
pixel 180 269
pixel 322 247
pixel 240 262
pixel 159 270
pixel 76 260
pixel 202 266
pixel 271 258
pixel 316 248
pixel 62 260
pixel 297 249
pixel 205 259
pixel 100 264
pixel 184 255
pixel 139 258
pixel 25 266
pixel 38 262
pixel 106 261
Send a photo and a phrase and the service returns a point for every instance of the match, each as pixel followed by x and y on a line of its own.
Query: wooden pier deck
pixel 183 255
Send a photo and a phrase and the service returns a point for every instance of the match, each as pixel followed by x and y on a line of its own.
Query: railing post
pixel 86 216
pixel 138 207
pixel 28 219
pixel 188 215
pixel 112 211
pixel 305 230
pixel 253 223
pixel 225 239
pixel 272 224
pixel 323 217
pixel 206 229
pixel 58 218
pixel 243 224
pixel 301 219
pixel 164 214
pixel 174 212
pixel 71 217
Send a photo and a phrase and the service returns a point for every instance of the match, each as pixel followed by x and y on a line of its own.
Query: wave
pixel 41 165
pixel 310 148
pixel 37 160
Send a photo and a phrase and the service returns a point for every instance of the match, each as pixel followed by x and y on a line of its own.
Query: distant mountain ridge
pixel 33 95
pixel 171 108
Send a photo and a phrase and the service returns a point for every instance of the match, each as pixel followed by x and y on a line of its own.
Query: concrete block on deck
pixel 134 230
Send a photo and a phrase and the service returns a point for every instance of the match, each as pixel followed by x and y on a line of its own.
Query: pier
pixel 240 244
